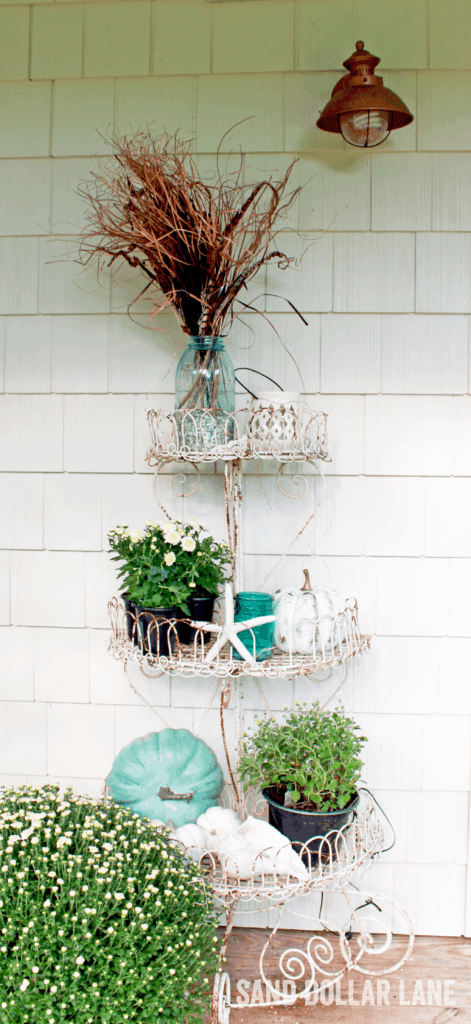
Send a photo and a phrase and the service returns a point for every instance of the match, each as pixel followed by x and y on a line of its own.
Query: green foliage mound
pixel 101 921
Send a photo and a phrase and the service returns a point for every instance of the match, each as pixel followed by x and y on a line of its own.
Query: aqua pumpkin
pixel 169 775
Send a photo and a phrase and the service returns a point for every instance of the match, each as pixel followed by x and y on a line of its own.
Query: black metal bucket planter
pixel 307 827
pixel 201 610
pixel 130 617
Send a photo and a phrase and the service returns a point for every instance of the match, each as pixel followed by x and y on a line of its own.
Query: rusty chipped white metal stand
pixel 342 854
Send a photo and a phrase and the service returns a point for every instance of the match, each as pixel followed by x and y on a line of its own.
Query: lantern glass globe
pixel 365 128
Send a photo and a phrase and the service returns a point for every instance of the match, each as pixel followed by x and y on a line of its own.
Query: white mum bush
pixel 101 921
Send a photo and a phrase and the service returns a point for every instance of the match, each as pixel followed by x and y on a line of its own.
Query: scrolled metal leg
pixel 220 1003
pixel 307 969
pixel 224 999
pixel 368 946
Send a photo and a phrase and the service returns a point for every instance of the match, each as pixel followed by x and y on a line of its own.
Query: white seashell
pixel 237 857
pixel 257 848
pixel 217 822
pixel 277 854
pixel 192 837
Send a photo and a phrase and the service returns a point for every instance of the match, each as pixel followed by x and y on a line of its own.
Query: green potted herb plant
pixel 308 767
pixel 169 570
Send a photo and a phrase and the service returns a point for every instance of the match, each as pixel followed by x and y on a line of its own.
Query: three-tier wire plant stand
pixel 183 439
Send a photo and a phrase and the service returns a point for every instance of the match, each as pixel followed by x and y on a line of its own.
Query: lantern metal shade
pixel 361 91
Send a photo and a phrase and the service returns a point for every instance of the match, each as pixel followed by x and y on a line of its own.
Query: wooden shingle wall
pixel 386 289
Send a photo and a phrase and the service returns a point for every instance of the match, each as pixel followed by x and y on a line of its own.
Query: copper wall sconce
pixel 361 108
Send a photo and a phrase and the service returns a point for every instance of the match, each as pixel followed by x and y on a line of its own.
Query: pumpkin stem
pixel 307 582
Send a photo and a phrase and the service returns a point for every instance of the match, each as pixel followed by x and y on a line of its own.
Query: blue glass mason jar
pixel 248 605
pixel 204 395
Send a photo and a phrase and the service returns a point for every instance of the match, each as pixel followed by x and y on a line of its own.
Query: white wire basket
pixel 339 854
pixel 203 435
pixel 154 642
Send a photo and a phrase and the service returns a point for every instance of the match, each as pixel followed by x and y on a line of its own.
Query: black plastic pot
pixel 201 610
pixel 154 634
pixel 129 616
pixel 307 827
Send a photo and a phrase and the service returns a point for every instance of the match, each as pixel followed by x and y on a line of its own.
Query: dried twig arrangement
pixel 197 243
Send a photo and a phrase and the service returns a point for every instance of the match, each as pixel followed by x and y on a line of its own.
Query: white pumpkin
pixel 216 823
pixel 305 619
pixel 192 837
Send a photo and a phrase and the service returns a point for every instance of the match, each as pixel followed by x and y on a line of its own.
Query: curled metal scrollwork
pixel 297 480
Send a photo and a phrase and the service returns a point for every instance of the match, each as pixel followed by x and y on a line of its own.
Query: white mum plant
pixel 101 921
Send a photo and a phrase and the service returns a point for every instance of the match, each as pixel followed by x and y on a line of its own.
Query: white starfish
pixel 230 630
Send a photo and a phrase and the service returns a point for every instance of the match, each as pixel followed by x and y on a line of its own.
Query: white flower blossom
pixel 79 960
pixel 188 543
pixel 170 558
pixel 24 985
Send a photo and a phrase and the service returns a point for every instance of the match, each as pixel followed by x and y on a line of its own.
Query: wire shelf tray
pixel 200 435
pixel 340 854
pixel 135 639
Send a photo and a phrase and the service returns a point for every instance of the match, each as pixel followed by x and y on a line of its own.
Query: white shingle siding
pixel 385 284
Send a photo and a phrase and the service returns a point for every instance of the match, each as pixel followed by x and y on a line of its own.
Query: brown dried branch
pixel 199 244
